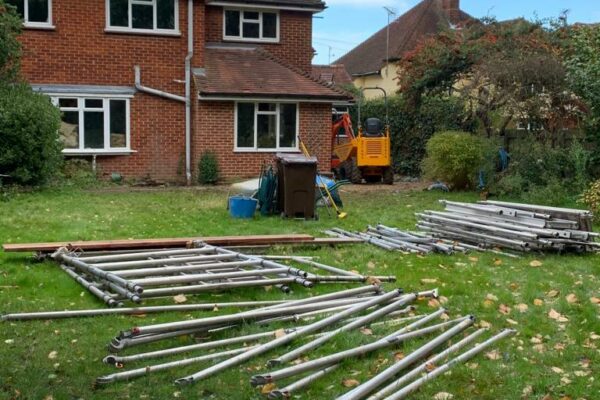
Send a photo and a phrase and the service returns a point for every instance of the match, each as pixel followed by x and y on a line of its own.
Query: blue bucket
pixel 242 206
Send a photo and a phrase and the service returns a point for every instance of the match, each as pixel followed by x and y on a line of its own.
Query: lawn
pixel 548 359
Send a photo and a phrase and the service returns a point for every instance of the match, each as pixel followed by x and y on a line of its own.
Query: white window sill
pixel 242 150
pixel 90 152
pixel 39 25
pixel 250 40
pixel 145 32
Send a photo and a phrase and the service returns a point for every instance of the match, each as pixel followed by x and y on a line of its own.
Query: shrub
pixel 591 197
pixel 30 150
pixel 456 158
pixel 208 168
pixel 79 172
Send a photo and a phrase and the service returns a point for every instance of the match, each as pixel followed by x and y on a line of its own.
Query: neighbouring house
pixel 146 86
pixel 374 63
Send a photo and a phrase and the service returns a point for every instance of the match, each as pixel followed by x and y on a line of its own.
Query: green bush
pixel 208 168
pixel 456 158
pixel 411 128
pixel 30 150
pixel 591 198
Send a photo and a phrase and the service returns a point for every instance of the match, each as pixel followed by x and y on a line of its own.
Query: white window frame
pixel 255 148
pixel 37 25
pixel 241 37
pixel 130 29
pixel 81 108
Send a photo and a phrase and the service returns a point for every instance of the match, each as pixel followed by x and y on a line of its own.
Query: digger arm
pixel 344 122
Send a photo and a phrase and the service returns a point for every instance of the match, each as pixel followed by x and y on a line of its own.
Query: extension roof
pixel 309 5
pixel 426 18
pixel 237 71
pixel 334 74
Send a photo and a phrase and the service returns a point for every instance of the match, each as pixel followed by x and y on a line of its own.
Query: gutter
pixel 155 92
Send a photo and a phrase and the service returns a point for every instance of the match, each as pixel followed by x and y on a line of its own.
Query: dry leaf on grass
pixel 433 303
pixel 493 355
pixel 53 354
pixel 279 333
pixel 473 259
pixel 504 309
pixel 497 262
pixel 528 390
pixel 443 396
pixel 268 388
pixel 426 281
pixel 557 370
pixel 535 263
pixel 491 297
pixel 485 324
pixel 180 298
pixel 571 298
pixel 555 315
pixel 371 280
pixel 398 356
pixel 522 307
pixel 538 302
pixel 552 293
pixel 366 331
pixel 512 321
pixel 371 265
pixel 430 367
pixel 595 300
pixel 350 382
pixel 594 336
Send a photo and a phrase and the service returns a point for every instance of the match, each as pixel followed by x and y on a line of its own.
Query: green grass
pixel 26 372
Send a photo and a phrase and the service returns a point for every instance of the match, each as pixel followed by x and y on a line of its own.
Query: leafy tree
pixel 10 48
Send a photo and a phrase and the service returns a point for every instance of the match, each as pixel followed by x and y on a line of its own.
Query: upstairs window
pixel 245 25
pixel 266 127
pixel 35 13
pixel 152 16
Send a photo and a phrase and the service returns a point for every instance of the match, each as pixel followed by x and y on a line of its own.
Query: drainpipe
pixel 149 90
pixel 188 94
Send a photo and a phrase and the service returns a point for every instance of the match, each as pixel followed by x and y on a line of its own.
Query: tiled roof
pixel 426 18
pixel 246 71
pixel 335 74
pixel 308 4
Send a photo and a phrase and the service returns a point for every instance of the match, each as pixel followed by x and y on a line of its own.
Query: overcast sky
pixel 346 23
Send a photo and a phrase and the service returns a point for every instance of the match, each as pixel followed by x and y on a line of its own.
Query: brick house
pixel 146 86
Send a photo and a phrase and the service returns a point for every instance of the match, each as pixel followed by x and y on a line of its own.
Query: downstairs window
pixel 266 126
pixel 93 125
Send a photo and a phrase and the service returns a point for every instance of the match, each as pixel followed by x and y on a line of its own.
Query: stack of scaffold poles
pixel 490 226
pixel 135 276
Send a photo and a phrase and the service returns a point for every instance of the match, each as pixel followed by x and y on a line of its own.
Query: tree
pixel 10 48
pixel 503 71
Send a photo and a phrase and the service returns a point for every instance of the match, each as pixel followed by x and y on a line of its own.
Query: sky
pixel 347 23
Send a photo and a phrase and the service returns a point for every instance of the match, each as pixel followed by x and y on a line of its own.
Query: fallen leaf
pixel 512 321
pixel 493 355
pixel 268 288
pixel 279 333
pixel 473 259
pixel 497 262
pixel 535 263
pixel 559 346
pixel 557 370
pixel 522 307
pixel 53 354
pixel 425 281
pixel 430 367
pixel 538 302
pixel 485 324
pixel 528 390
pixel 371 280
pixel 268 388
pixel 473 365
pixel 443 396
pixel 350 383
pixel 371 265
pixel 398 356
pixel 9 341
pixel 594 336
pixel 555 315
pixel 552 293
pixel 504 309
pixel 366 331
pixel 433 303
pixel 540 348
pixel 571 298
pixel 491 297
pixel 565 381
pixel 595 300
pixel 180 298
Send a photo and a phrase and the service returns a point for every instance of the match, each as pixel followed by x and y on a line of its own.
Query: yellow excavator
pixel 366 155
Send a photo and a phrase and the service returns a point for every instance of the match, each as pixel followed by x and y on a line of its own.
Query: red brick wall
pixel 295 44
pixel 214 130
pixel 78 51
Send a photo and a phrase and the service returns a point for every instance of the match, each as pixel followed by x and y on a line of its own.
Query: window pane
pixel 69 129
pixel 20 4
pixel 251 30
pixel 251 15
pixel 266 131
pixel 269 25
pixel 142 16
pixel 267 107
pixel 93 130
pixel 287 128
pixel 67 103
pixel 38 10
pixel 118 123
pixel 165 14
pixel 232 23
pixel 94 103
pixel 119 13
pixel 245 125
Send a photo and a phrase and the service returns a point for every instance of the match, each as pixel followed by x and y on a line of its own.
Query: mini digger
pixel 366 155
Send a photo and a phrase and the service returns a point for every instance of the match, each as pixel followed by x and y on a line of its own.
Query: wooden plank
pixel 126 244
